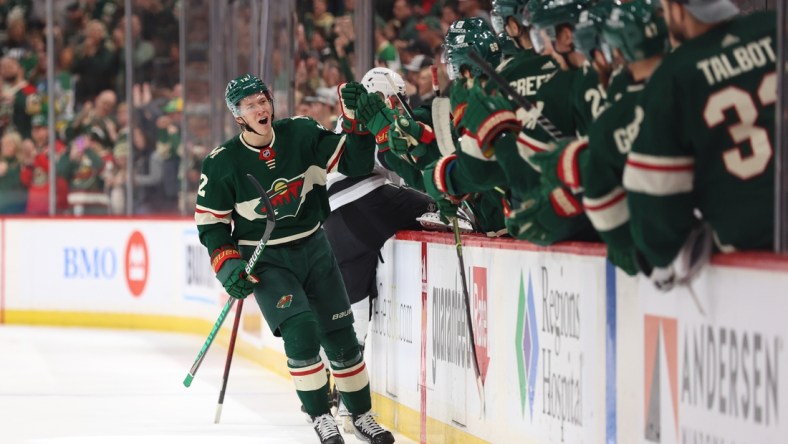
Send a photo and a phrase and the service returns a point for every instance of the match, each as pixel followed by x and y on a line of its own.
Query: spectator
pixel 143 52
pixel 474 8
pixel 17 45
pixel 404 21
pixel 319 18
pixel 75 21
pixel 431 33
pixel 116 179
pixel 82 168
pixel 19 100
pixel 95 63
pixel 323 107
pixel 386 54
pixel 13 194
pixel 96 114
pixel 35 176
pixel 168 144
pixel 419 73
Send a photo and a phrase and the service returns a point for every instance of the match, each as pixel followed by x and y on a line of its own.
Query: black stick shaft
pixel 229 361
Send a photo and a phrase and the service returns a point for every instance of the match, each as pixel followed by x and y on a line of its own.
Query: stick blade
pixel 188 381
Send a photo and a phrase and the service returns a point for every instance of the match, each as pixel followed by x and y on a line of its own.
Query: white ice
pixel 99 386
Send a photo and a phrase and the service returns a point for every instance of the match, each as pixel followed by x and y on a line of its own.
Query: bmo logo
pixel 136 263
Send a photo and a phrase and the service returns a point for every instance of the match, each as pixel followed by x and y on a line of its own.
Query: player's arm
pixel 213 214
pixel 215 203
pixel 410 173
pixel 350 153
pixel 658 177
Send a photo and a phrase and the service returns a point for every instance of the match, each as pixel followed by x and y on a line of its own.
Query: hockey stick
pixel 469 318
pixel 228 362
pixel 458 245
pixel 269 227
pixel 521 101
pixel 441 117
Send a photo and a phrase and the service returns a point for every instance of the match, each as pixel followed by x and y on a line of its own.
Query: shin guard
pixel 302 347
pixel 350 372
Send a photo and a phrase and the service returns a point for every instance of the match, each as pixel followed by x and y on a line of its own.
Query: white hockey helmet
pixel 375 81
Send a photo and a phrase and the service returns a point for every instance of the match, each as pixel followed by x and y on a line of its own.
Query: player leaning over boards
pixel 297 283
pixel 707 137
pixel 637 34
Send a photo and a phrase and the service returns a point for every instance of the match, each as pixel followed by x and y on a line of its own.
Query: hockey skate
pixel 327 430
pixel 368 430
pixel 432 221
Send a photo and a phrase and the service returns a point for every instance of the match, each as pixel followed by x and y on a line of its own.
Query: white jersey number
pixel 736 162
pixel 203 182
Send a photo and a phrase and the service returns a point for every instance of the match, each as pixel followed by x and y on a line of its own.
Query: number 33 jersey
pixel 706 141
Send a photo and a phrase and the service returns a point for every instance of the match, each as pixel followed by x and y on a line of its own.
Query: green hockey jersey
pixel 292 169
pixel 527 71
pixel 601 166
pixel 707 141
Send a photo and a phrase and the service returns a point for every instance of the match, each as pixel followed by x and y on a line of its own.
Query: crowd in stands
pixel 408 38
pixel 92 136
pixel 92 143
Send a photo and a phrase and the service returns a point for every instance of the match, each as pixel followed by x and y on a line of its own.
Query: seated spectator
pixel 13 194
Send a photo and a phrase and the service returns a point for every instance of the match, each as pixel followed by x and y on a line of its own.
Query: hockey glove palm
pixel 349 93
pixel 546 216
pixel 373 113
pixel 486 116
pixel 234 279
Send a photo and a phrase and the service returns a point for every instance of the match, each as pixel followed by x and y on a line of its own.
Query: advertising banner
pixel 539 333
pixel 713 370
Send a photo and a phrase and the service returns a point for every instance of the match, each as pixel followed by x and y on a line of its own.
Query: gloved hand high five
pixel 409 137
pixel 230 271
pixel 349 94
pixel 373 113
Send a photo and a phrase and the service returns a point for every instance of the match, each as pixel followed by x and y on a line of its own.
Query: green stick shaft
pixel 204 350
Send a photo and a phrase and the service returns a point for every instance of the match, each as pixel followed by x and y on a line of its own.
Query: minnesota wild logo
pixel 285 301
pixel 285 197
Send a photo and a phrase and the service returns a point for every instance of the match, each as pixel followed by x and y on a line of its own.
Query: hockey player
pixel 406 145
pixel 569 101
pixel 525 70
pixel 366 211
pixel 637 32
pixel 297 283
pixel 470 173
pixel 706 141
